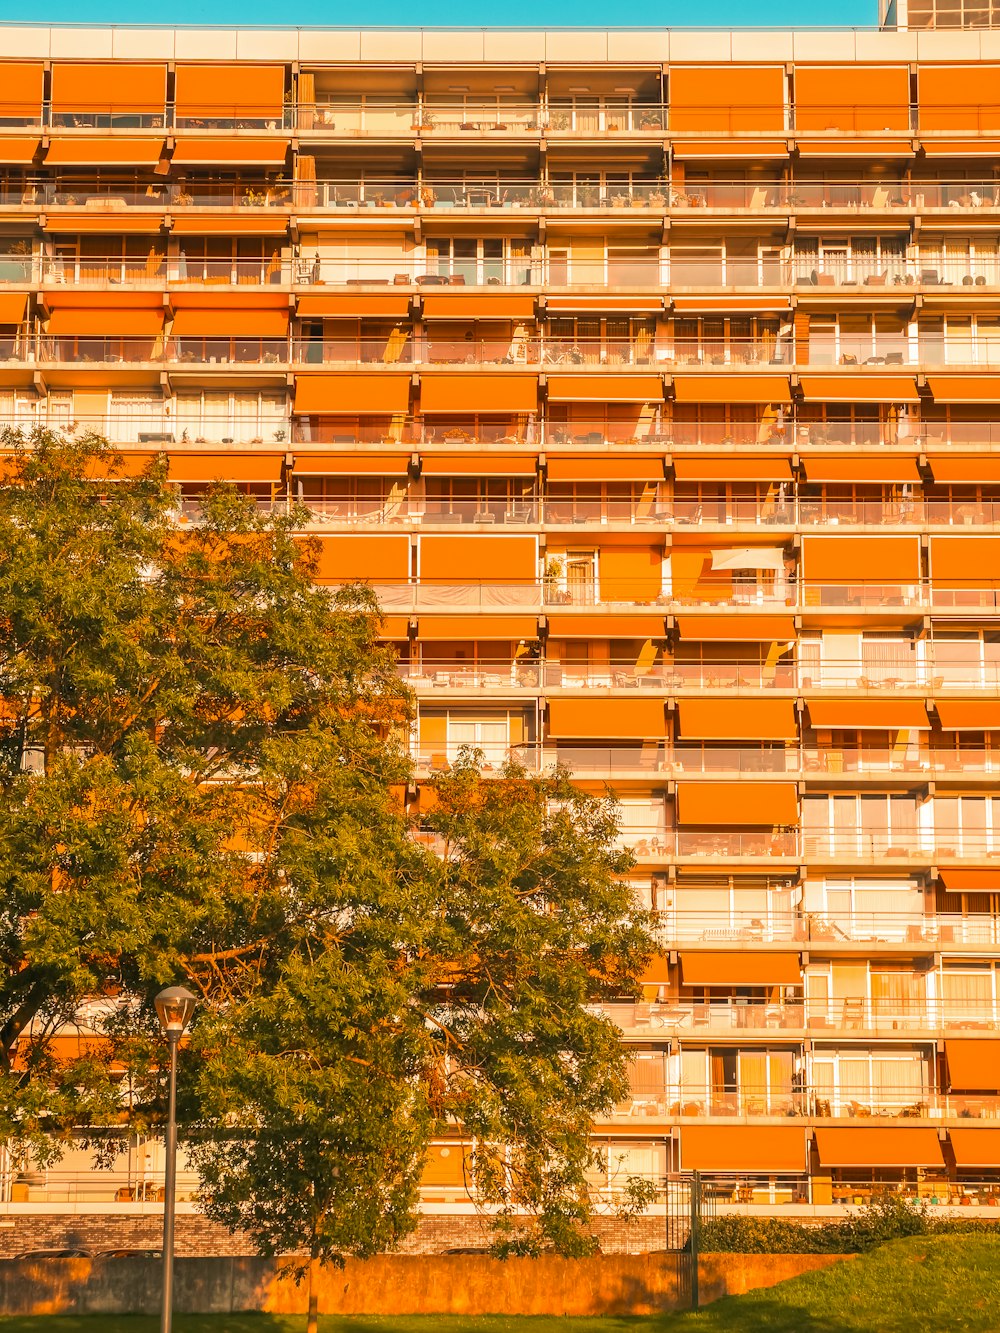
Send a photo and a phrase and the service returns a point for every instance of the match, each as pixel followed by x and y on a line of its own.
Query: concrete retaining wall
pixel 391 1284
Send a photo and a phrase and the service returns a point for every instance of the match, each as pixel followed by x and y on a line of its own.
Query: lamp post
pixel 174 1008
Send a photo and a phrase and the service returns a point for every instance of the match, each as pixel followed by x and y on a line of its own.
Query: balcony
pixel 863 1104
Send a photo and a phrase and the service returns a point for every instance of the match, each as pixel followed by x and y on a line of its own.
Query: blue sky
pixel 555 13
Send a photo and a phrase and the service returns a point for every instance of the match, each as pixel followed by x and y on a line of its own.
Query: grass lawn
pixel 943 1284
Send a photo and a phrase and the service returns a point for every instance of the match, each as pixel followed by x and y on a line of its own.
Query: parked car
pixel 55 1254
pixel 129 1254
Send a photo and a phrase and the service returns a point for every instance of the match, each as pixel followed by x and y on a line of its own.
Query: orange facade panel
pixel 726 99
pixel 964 388
pixel 719 803
pixel 104 152
pixel 346 306
pixel 497 560
pixel 478 465
pixel 477 392
pixel 108 224
pixel 119 85
pixel 741 969
pixel 372 559
pixel 105 322
pixel 861 559
pixel 881 1146
pixel 731 467
pixel 609 305
pixel 965 467
pixel 869 714
pixel 476 626
pixel 230 322
pixel 230 92
pixel 351 465
pixel 21 91
pixel 975 1147
pixel 18 151
pixel 606 625
pixel 737 628
pixel 728 388
pixel 604 467
pixel 605 389
pixel 248 467
pixel 969 881
pixel 778 1148
pixel 479 307
pixel 729 148
pixel 606 719
pixel 252 152
pixel 235 224
pixel 730 304
pixel 973 1066
pixel 333 395
pixel 887 468
pixel 859 387
pixel 848 99
pixel 959 99
pixel 13 306
pixel 965 562
pixel 631 573
pixel 737 719
pixel 968 714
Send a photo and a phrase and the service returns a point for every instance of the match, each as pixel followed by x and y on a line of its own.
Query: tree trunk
pixel 312 1319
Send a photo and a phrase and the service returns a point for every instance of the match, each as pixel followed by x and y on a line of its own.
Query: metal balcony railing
pixel 724 1016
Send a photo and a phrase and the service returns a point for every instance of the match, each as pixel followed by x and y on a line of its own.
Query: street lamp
pixel 175 1008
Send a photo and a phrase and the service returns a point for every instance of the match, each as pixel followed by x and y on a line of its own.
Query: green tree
pixel 200 782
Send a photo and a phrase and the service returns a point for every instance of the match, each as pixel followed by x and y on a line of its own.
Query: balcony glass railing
pixel 686 1017
pixel 865 1103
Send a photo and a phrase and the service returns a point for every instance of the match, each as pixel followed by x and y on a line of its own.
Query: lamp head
pixel 175 1008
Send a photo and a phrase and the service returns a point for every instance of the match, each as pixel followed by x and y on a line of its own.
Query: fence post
pixel 695 1235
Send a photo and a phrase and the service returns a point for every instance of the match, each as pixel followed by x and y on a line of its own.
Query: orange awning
pixel 657 971
pixel 844 145
pixel 230 92
pixel 719 803
pixel 965 467
pixel 631 573
pixel 722 386
pixel 18 151
pixel 13 306
pixel 780 1148
pixel 605 389
pixel 606 719
pixel 233 224
pixel 975 1147
pixel 394 627
pixel 105 322
pixel 604 467
pixel 494 559
pixel 969 881
pixel 959 98
pixel 247 467
pixel 117 85
pixel 634 305
pixel 21 90
pixel 346 306
pixel 104 152
pixel 737 628
pixel 382 559
pixel 331 395
pixel 869 714
pixel 254 152
pixel 965 562
pixel 964 388
pixel 729 148
pixel 968 714
pixel 858 386
pixel 735 304
pixel 230 322
pixel 741 968
pixel 109 224
pixel 726 99
pixel 606 625
pixel 351 465
pixel 737 719
pixel 480 306
pixel 884 467
pixel 973 1066
pixel 881 1146
pixel 975 146
pixel 206 298
pixel 852 99
pixel 478 465
pixel 888 560
pixel 477 626
pixel 477 392
pixel 732 467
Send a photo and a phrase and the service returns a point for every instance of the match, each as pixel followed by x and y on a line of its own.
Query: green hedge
pixel 887 1217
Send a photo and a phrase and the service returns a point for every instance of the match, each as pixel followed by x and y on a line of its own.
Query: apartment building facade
pixel 651 379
